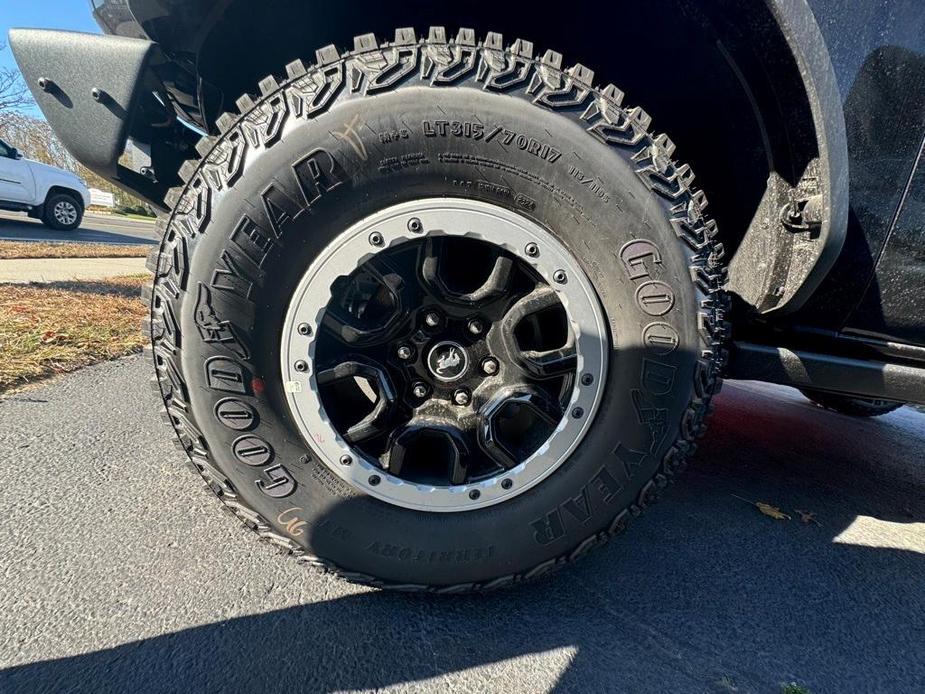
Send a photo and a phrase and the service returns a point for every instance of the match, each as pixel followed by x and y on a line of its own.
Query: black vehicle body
pixel 819 108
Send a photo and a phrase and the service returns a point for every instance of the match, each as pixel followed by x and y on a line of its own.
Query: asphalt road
pixel 120 573
pixel 96 228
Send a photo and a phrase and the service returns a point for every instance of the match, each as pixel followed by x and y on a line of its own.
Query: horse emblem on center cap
pixel 447 361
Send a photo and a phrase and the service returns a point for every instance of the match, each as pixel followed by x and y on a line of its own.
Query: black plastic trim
pixel 88 87
pixel 798 25
pixel 801 369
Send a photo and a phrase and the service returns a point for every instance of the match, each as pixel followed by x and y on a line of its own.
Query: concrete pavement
pixel 120 574
pixel 96 228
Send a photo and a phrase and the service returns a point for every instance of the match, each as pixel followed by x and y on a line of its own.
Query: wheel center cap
pixel 447 361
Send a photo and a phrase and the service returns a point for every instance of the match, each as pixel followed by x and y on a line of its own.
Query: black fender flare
pixel 91 89
pixel 799 28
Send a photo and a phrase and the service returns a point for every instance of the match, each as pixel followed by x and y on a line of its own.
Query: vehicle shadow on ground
pixel 703 594
pixel 126 287
pixel 28 229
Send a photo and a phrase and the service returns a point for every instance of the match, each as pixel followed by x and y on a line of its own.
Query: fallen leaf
pixel 771 511
pixel 808 517
pixel 765 508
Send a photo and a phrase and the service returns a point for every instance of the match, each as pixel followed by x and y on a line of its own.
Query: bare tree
pixel 14 94
pixel 36 140
pixel 34 137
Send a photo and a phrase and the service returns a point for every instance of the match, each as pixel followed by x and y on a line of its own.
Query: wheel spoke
pixel 370 305
pixel 496 282
pixel 496 452
pixel 552 362
pixel 458 470
pixel 385 273
pixel 541 363
pixel 377 421
pixel 431 440
pixel 513 425
pixel 540 299
pixel 344 330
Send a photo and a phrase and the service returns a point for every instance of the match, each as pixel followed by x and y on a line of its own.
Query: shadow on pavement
pixel 127 287
pixel 702 588
pixel 26 229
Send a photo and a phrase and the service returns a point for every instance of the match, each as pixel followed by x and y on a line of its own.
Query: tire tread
pixel 657 170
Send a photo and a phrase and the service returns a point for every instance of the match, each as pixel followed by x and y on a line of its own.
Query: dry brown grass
pixel 10 250
pixel 48 329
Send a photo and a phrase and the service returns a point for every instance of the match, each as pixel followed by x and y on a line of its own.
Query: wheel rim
pixel 444 355
pixel 65 212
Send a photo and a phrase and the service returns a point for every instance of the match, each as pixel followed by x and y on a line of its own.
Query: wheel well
pixel 54 190
pixel 746 125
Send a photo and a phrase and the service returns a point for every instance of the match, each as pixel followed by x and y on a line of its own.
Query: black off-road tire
pixel 853 407
pixel 386 123
pixel 48 215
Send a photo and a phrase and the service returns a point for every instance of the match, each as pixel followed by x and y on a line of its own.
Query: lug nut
pixel 461 397
pixel 587 380
pixel 474 494
pixel 374 480
pixel 578 413
pixel 375 239
pixel 420 391
pixel 346 460
pixel 559 277
pixel 405 353
pixel 305 329
pixel 301 366
pixel 532 250
pixel 476 327
pixel 432 319
pixel 506 484
pixel 490 366
pixel 414 225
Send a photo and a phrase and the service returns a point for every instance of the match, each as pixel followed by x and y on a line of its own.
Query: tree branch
pixel 14 94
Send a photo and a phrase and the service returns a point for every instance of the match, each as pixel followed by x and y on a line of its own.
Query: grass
pixel 10 250
pixel 49 329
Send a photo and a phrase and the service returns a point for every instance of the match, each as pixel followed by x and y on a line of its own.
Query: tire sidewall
pixel 49 215
pixel 237 280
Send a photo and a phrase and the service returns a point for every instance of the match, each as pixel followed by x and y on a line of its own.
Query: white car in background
pixel 55 196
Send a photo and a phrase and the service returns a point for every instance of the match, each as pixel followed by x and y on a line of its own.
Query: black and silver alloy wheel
pixel 445 355
pixel 437 314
